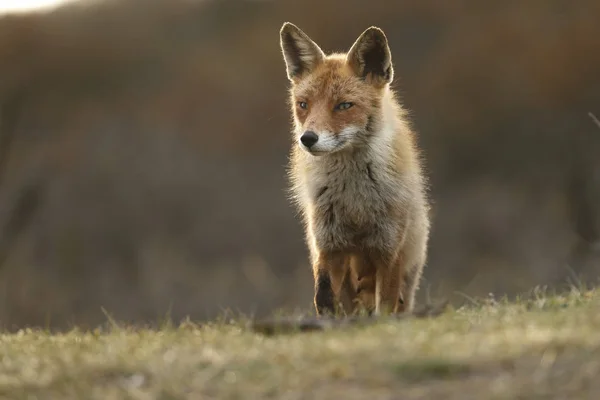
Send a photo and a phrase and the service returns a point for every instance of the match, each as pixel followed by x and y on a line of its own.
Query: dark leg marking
pixel 324 298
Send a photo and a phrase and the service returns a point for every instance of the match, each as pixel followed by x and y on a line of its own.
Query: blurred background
pixel 143 147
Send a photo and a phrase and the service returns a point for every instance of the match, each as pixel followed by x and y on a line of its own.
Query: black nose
pixel 309 138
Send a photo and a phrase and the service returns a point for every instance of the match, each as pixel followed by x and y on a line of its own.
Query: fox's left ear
pixel 370 57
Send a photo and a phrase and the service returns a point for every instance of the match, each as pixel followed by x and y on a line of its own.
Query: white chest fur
pixel 349 197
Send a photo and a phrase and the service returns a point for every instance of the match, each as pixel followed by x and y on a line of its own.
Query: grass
pixel 544 348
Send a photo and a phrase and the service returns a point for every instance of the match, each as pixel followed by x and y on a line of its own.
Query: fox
pixel 356 175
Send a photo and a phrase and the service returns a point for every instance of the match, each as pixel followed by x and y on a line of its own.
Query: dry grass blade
pixel 281 325
pixel 593 117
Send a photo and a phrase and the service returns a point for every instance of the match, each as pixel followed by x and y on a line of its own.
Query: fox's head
pixel 336 98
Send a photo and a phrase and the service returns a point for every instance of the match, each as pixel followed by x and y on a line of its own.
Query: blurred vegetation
pixel 546 347
pixel 143 146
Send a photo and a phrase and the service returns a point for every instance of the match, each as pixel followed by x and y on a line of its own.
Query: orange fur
pixel 356 175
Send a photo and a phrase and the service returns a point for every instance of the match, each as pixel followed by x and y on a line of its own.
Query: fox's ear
pixel 370 55
pixel 300 53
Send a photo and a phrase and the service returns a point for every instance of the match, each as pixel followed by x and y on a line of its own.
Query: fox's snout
pixel 309 138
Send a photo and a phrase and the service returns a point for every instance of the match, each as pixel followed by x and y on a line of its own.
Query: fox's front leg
pixel 388 282
pixel 329 272
pixel 412 278
pixel 365 293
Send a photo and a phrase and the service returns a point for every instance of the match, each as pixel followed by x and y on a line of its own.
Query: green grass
pixel 546 348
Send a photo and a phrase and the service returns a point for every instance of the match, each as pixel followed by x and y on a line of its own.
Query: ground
pixel 547 347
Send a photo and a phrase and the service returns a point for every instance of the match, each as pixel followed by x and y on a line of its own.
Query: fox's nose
pixel 309 138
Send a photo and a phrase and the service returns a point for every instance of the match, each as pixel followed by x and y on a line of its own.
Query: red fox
pixel 356 175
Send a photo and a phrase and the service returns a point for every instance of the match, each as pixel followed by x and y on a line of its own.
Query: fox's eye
pixel 302 104
pixel 344 106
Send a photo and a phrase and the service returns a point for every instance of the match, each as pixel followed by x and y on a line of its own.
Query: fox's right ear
pixel 300 53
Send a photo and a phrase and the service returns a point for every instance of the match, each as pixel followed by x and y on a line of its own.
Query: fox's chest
pixel 349 203
pixel 352 192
